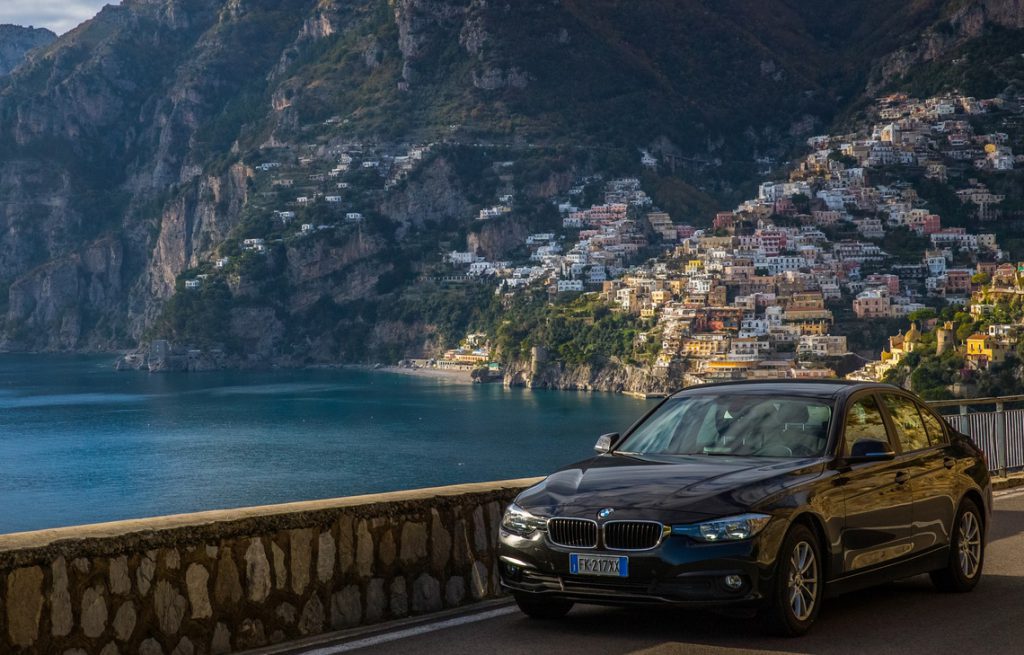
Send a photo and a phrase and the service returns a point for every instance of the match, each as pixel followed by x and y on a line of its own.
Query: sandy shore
pixel 458 377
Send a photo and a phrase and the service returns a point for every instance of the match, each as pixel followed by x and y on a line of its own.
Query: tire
pixel 795 596
pixel 966 552
pixel 539 607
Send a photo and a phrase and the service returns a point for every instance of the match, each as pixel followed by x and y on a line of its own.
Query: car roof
pixel 829 389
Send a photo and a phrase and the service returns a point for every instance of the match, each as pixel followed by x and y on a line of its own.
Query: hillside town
pixel 754 296
pixel 769 289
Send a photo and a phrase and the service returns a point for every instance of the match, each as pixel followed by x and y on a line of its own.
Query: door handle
pixel 949 462
pixel 902 477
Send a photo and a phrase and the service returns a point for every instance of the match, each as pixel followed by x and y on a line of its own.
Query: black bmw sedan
pixel 770 495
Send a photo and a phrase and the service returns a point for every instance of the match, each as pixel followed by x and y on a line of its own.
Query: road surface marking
pixel 386 637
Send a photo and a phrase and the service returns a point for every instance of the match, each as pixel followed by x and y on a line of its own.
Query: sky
pixel 57 15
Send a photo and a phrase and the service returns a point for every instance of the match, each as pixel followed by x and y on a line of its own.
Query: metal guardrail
pixel 999 433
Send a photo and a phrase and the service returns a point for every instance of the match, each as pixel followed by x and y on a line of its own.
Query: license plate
pixel 606 565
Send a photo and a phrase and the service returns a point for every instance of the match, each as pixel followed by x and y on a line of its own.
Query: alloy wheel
pixel 969 545
pixel 803 581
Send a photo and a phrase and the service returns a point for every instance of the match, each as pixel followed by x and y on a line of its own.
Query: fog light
pixel 733 582
pixel 513 572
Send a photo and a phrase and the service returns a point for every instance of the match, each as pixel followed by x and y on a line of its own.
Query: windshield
pixel 729 424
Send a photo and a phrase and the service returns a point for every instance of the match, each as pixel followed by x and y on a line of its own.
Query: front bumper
pixel 679 571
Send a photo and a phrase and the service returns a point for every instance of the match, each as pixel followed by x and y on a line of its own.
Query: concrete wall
pixel 217 582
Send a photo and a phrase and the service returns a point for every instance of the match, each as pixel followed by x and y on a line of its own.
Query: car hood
pixel 680 488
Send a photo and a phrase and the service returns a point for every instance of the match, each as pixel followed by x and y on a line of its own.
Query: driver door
pixel 877 496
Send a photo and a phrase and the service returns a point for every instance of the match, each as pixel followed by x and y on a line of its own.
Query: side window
pixel 936 435
pixel 910 428
pixel 863 421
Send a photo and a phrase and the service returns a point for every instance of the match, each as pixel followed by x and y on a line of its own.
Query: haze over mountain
pixel 128 146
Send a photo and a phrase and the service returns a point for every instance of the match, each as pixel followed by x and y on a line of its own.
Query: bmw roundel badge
pixel 605 513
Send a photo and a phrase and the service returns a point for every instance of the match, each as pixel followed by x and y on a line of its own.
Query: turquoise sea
pixel 82 443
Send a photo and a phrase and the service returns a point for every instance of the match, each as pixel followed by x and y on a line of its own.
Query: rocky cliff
pixel 959 24
pixel 16 42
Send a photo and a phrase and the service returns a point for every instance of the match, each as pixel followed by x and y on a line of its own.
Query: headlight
pixel 733 528
pixel 520 522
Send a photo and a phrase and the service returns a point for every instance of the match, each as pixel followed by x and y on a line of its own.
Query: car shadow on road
pixel 909 616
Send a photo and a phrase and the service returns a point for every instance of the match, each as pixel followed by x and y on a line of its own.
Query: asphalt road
pixel 900 618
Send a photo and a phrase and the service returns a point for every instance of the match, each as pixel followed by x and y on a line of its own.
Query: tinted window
pixel 730 424
pixel 936 435
pixel 909 427
pixel 863 421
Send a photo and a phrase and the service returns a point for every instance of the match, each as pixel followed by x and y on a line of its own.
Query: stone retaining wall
pixel 218 582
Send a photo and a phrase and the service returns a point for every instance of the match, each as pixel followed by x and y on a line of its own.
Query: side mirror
pixel 606 442
pixel 870 450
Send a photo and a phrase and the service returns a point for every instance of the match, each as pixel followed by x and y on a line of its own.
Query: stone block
pixel 221 643
pixel 346 608
pixel 387 551
pixel 94 611
pixel 250 635
pixel 480 541
pixel 312 620
pixel 226 588
pixel 24 605
pixel 462 553
pixel 280 570
pixel 61 619
pixel 197 586
pixel 301 542
pixel 413 547
pixel 287 613
pixel 144 574
pixel 172 559
pixel 455 591
pixel 346 544
pixel 120 580
pixel 493 521
pixel 124 621
pixel 151 647
pixel 170 607
pixel 364 550
pixel 376 601
pixel 478 581
pixel 184 647
pixel 426 594
pixel 325 556
pixel 110 649
pixel 257 572
pixel 440 543
pixel 399 600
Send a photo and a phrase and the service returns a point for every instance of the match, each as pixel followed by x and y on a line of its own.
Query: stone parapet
pixel 224 581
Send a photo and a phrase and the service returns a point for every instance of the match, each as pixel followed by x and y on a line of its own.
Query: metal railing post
pixel 1002 446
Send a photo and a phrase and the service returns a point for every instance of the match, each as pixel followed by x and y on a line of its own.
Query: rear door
pixel 937 495
pixel 877 496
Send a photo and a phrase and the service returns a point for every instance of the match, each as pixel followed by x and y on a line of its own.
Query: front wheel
pixel 795 597
pixel 966 553
pixel 539 607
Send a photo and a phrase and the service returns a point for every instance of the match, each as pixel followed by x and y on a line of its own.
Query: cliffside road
pixel 906 617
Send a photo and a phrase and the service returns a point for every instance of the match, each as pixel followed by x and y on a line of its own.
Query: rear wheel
pixel 966 553
pixel 539 607
pixel 795 597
